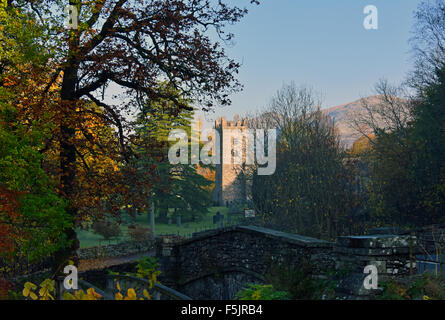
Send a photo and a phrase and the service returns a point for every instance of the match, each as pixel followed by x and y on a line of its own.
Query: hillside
pixel 340 115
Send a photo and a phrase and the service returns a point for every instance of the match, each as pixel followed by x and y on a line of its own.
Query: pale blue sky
pixel 321 43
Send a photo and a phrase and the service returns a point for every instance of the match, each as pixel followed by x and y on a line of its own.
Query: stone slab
pixel 375 241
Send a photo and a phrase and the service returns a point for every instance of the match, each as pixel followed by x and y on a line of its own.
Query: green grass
pixel 89 239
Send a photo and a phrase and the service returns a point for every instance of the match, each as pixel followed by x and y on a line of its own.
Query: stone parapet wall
pixel 117 250
pixel 222 258
pixel 393 255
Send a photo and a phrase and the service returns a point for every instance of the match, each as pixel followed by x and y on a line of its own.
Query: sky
pixel 318 43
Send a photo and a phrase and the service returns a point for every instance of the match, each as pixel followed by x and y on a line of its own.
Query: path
pixel 101 263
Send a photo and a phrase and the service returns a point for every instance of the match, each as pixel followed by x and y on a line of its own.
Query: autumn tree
pixel 32 216
pixel 131 45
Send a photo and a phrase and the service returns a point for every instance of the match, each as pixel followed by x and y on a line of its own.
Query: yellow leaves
pixel 90 295
pixel 46 288
pixel 33 296
pixel 68 296
pixel 47 291
pixel 256 295
pixel 402 292
pixel 80 295
pixel 28 290
pixel 131 295
pixel 146 294
pixel 153 279
pixel 93 293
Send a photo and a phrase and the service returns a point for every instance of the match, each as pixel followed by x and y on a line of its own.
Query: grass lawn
pixel 89 239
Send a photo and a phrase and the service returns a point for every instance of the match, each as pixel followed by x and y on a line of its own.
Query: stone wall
pixel 117 250
pixel 231 257
pixel 389 253
pixel 216 264
pixel 392 255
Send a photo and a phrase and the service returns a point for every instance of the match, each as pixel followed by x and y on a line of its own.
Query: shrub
pixel 297 281
pixel 107 229
pixel 148 268
pixel 425 287
pixel 139 233
pixel 260 292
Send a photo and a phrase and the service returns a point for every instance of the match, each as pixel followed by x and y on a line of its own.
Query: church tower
pixel 230 181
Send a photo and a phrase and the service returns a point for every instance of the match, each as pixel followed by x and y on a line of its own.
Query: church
pixel 231 183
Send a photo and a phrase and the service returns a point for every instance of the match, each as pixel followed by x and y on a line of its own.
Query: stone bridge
pixel 218 263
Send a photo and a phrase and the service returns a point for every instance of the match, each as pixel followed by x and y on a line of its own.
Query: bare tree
pixel 308 192
pixel 389 111
pixel 428 44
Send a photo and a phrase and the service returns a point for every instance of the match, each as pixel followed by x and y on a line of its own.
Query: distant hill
pixel 340 115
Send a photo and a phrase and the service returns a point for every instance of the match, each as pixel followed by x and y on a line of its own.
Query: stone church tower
pixel 230 182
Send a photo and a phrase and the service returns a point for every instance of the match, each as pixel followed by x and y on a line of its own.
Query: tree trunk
pixel 68 154
pixel 152 218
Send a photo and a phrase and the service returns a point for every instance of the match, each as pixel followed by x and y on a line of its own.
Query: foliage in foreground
pixel 147 268
pixel 298 281
pixel 425 287
pixel 260 292
pixel 292 281
pixel 32 216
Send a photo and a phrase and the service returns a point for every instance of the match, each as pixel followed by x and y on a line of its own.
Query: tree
pixel 390 110
pixel 309 192
pixel 406 160
pixel 407 165
pixel 428 43
pixel 177 186
pixel 32 216
pixel 132 44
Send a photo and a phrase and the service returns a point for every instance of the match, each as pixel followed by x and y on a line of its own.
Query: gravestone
pixel 169 221
pixel 178 221
pixel 215 219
